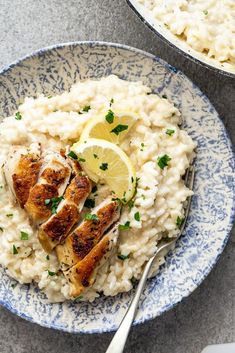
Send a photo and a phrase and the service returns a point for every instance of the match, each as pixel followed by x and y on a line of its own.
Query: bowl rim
pixel 37 52
pixel 179 50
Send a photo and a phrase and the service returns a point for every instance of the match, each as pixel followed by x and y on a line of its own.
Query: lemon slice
pixel 111 126
pixel 105 161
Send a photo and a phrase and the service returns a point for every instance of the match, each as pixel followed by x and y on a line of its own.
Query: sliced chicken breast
pixel 21 170
pixel 57 227
pixel 52 182
pixel 83 274
pixel 85 237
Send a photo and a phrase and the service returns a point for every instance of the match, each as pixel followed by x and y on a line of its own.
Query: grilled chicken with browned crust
pixel 85 237
pixel 52 182
pixel 52 189
pixel 57 227
pixel 83 274
pixel 21 170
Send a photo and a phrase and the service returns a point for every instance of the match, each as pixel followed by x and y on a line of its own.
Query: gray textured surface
pixel 208 315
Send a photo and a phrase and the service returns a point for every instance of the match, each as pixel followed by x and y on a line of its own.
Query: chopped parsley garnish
pixel 170 132
pixel 81 159
pixel 137 216
pixel 109 116
pixel 142 146
pixel 130 204
pixel 9 215
pixel 104 166
pixel 13 285
pixel 48 257
pixel 18 116
pixel 123 257
pixel 179 221
pixel 162 162
pixel 86 108
pixel 54 202
pixel 50 273
pixel 78 298
pixel 94 189
pixel 49 97
pixel 95 156
pixel 111 102
pixel 24 236
pixel 89 203
pixel 119 128
pixel 205 12
pixel 14 250
pixel 164 96
pixel 125 226
pixel 72 155
pixel 132 179
pixel 91 217
pixel 143 196
pixel 1 229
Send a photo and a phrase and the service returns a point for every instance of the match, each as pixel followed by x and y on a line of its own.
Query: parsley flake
pixel 86 108
pixel 95 156
pixel 9 215
pixel 13 285
pixel 104 166
pixel 72 155
pixel 78 298
pixel 18 116
pixel 162 162
pixel 91 217
pixel 125 226
pixel 164 96
pixel 179 221
pixel 123 257
pixel 49 97
pixel 48 257
pixel 24 236
pixel 170 132
pixel 89 203
pixel 54 202
pixel 119 128
pixel 50 273
pixel 111 102
pixel 137 216
pixel 81 159
pixel 130 204
pixel 1 229
pixel 14 250
pixel 205 12
pixel 109 116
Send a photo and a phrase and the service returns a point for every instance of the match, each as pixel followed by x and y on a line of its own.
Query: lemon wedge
pixel 105 161
pixel 112 126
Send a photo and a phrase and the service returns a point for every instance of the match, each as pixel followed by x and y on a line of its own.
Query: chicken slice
pixel 52 182
pixel 81 241
pixel 21 170
pixel 57 227
pixel 83 274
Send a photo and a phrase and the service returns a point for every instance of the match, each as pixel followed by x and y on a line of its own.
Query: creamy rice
pixel 207 26
pixel 55 123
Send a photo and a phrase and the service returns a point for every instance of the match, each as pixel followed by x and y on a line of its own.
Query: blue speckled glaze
pixel 54 70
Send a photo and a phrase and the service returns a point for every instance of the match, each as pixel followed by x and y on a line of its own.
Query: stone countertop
pixel 208 315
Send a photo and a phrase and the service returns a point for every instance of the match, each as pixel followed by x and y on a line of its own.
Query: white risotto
pixel 55 122
pixel 207 26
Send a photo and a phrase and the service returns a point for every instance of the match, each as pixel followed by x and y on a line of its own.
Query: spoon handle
pixel 119 340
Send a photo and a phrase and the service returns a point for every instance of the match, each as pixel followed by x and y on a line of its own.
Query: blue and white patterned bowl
pixel 54 70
